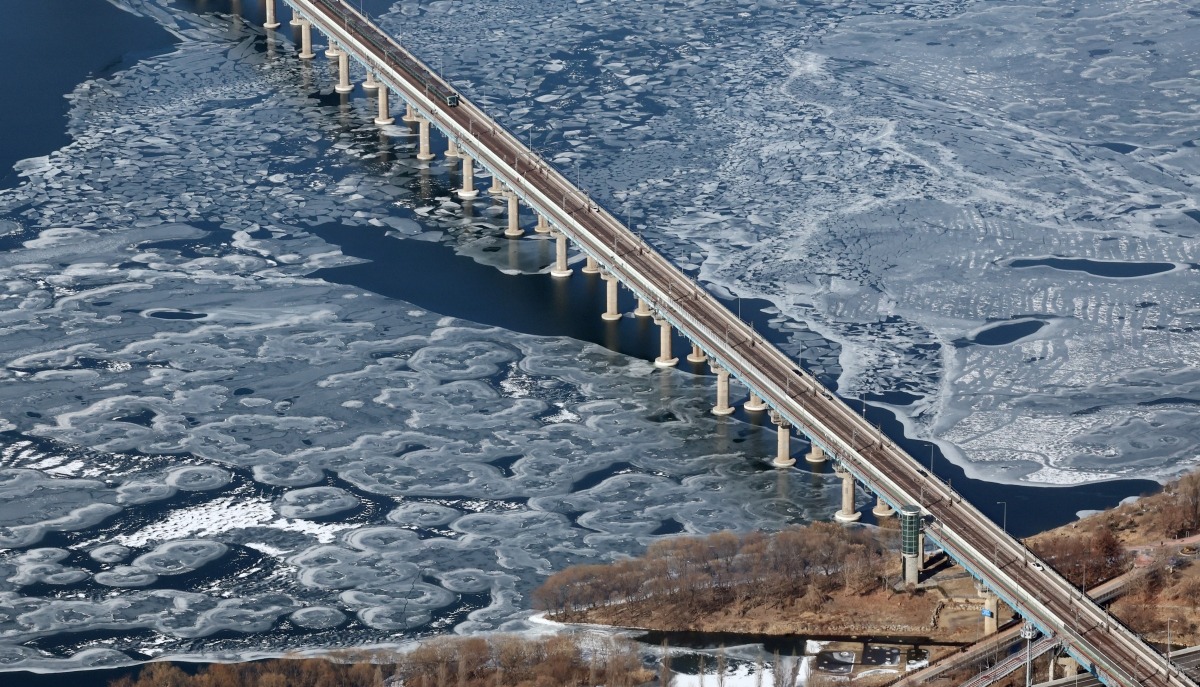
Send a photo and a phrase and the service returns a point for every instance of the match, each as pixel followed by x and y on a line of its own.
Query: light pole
pixel 1027 633
pixel 1169 645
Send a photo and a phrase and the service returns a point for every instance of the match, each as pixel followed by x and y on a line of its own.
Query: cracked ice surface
pixel 873 169
pixel 207 451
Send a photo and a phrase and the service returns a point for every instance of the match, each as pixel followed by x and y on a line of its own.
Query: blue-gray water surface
pixel 269 385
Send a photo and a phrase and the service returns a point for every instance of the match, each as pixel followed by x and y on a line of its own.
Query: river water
pixel 269 386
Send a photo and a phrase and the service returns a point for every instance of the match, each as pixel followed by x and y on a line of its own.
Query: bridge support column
pixel 543 227
pixel 296 20
pixel 912 569
pixel 643 308
pixel 468 178
pixel 410 115
pixel 881 509
pixel 560 256
pixel 452 151
pixel 815 455
pixel 344 85
pixel 991 605
pixel 369 83
pixel 497 187
pixel 306 51
pixel 271 22
pixel 783 442
pixel 611 313
pixel 665 358
pixel 755 404
pixel 722 407
pixel 423 132
pixel 514 230
pixel 383 117
pixel 1069 666
pixel 332 51
pixel 847 513
pixel 697 355
pixel 590 266
pixel 921 551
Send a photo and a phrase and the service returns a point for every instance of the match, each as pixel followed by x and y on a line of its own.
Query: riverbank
pixel 815 580
pixel 1158 537
pixel 825 580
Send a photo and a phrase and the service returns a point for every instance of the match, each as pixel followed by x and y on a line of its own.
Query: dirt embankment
pixel 1158 536
pixel 826 579
pixel 822 579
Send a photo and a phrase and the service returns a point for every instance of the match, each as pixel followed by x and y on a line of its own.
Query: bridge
pixel 794 399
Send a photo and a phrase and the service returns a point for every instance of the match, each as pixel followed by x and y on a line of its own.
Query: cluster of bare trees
pixel 1085 560
pixel 499 661
pixel 506 660
pixel 701 574
pixel 281 673
pixel 1180 516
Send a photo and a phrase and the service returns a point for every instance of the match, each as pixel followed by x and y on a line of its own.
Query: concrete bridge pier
pixel 722 407
pixel 611 313
pixel 423 132
pixel 665 358
pixel 1070 667
pixel 643 308
pixel 783 446
pixel 815 455
pixel 410 115
pixel 542 227
pixel 496 188
pixel 468 178
pixel 452 151
pixel 697 355
pixel 296 20
pixel 590 266
pixel 332 51
pixel 881 509
pixel 514 230
pixel 755 404
pixel 383 117
pixel 306 51
pixel 991 605
pixel 560 256
pixel 271 22
pixel 369 83
pixel 344 85
pixel 847 513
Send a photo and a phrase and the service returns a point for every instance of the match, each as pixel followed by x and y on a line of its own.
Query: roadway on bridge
pixel 1002 563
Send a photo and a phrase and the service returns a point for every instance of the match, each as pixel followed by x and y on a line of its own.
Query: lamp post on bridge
pixel 1027 633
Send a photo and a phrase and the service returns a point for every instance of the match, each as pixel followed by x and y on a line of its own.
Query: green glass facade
pixel 910 530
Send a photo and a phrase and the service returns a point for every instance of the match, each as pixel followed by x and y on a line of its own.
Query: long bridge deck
pixel 1100 642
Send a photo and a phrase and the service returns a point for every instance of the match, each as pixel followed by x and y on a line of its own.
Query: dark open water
pixel 93 38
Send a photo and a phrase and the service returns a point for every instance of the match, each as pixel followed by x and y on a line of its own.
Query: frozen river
pixel 267 385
